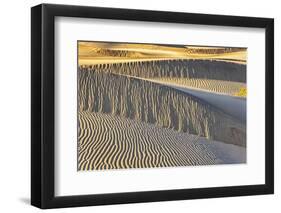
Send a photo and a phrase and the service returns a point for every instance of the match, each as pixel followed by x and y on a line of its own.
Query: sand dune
pixel 125 51
pixel 146 105
pixel 112 142
pixel 156 104
pixel 201 69
pixel 232 105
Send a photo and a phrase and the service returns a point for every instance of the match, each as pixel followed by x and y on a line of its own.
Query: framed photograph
pixel 139 106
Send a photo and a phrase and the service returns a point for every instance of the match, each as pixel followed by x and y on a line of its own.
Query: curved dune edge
pixel 209 85
pixel 107 142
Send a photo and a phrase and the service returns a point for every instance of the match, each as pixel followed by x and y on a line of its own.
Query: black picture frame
pixel 43 102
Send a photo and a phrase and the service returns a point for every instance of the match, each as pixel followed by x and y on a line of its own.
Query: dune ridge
pixel 218 86
pixel 177 68
pixel 160 105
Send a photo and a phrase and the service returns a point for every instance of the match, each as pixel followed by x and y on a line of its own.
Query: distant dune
pixel 112 142
pixel 107 50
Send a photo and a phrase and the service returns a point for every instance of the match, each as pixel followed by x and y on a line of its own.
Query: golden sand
pixel 99 52
pixel 130 117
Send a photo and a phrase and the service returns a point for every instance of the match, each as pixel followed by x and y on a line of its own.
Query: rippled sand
pixel 112 142
pixel 146 105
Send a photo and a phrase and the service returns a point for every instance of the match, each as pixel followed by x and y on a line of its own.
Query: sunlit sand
pixel 97 53
pixel 148 105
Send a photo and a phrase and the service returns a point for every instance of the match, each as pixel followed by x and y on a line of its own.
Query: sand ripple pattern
pixel 111 142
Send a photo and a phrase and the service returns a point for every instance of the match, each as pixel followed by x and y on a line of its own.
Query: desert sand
pixel 113 142
pixel 105 53
pixel 146 106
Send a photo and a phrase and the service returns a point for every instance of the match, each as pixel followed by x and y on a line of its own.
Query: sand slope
pixel 231 105
pixel 112 142
pixel 156 104
pixel 234 106
pixel 209 85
